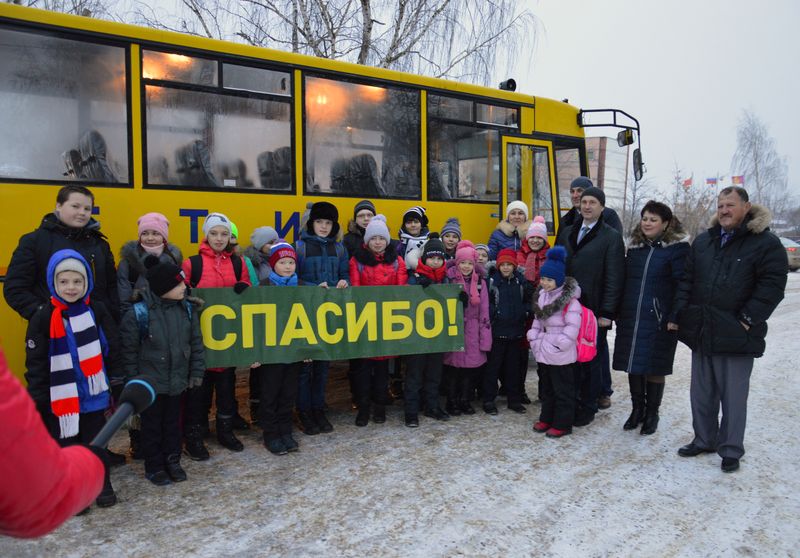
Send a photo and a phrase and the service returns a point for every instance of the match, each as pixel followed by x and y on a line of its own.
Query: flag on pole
pixel 711 181
pixel 688 182
pixel 737 180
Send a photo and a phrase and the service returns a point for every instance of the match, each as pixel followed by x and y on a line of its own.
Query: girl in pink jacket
pixel 553 338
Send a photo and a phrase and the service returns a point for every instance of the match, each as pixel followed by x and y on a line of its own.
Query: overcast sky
pixel 686 69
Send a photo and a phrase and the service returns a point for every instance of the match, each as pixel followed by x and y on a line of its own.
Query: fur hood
pixel 569 291
pixel 508 229
pixel 135 257
pixel 256 256
pixel 757 220
pixel 675 233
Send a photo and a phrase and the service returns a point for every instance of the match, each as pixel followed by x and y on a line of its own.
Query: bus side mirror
pixel 625 137
pixel 638 165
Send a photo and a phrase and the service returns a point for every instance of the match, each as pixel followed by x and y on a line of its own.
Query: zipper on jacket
pixel 639 309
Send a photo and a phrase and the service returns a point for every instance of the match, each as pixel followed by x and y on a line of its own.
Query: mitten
pixel 240 287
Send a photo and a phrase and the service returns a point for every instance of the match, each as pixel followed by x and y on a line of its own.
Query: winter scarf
pixel 413 242
pixel 281 281
pixel 435 275
pixel 78 347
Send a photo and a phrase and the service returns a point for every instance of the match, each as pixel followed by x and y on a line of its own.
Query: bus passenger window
pixel 361 140
pixel 568 168
pixel 217 140
pixel 464 163
pixel 76 90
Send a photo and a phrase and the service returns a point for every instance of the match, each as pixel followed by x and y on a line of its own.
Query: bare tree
pixel 693 204
pixel 89 8
pixel 765 171
pixel 636 195
pixel 457 39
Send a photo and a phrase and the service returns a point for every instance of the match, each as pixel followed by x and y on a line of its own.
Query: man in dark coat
pixel 596 259
pixel 735 277
pixel 69 226
pixel 576 189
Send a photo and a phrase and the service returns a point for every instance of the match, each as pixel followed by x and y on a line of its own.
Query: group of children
pixel 77 356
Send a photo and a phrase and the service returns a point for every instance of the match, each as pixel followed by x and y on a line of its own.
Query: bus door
pixel 527 175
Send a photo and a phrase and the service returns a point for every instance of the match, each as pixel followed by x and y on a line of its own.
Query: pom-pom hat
pixel 537 229
pixel 554 266
pixel 162 277
pixel 281 249
pixel 465 250
pixel 452 226
pixel 433 247
pixel 377 227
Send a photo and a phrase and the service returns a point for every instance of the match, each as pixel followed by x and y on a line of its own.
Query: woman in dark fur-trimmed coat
pixel 644 348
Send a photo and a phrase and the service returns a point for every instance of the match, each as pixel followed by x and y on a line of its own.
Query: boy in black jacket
pixel 161 342
pixel 509 302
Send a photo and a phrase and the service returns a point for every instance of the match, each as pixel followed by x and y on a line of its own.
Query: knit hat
pixel 433 247
pixel 507 255
pixel 554 266
pixel 595 193
pixel 417 212
pixel 581 182
pixel 323 210
pixel 465 250
pixel 537 229
pixel 215 219
pixel 484 247
pixel 377 227
pixel 281 249
pixel 364 204
pixel 154 222
pixel 517 205
pixel 234 231
pixel 71 263
pixel 162 276
pixel 262 236
pixel 452 226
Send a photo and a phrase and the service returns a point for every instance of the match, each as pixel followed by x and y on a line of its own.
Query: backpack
pixel 587 334
pixel 197 268
pixel 142 313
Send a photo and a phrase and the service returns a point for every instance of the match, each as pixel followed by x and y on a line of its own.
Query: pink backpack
pixel 587 334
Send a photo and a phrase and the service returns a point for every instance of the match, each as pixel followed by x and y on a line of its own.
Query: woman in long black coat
pixel 644 348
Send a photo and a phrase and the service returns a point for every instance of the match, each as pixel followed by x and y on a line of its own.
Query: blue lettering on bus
pixel 193 215
pixel 292 223
pixel 95 210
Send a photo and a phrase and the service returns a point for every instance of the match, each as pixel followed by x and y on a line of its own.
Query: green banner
pixel 289 324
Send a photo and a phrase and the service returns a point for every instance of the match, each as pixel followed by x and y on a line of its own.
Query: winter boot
pixel 362 418
pixel 452 408
pixel 636 382
pixel 322 421
pixel 174 469
pixel 194 446
pixel 107 497
pixel 308 425
pixel 225 435
pixel 379 414
pixel 239 423
pixel 654 394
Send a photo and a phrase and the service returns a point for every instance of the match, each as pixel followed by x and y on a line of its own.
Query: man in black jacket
pixel 735 277
pixel 576 189
pixel 596 259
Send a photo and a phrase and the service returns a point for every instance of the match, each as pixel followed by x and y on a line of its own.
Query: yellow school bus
pixel 159 121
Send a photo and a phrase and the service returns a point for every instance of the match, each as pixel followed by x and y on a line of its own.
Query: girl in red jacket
pixel 215 266
pixel 375 263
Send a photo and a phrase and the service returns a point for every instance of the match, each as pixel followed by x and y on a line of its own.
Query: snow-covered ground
pixel 476 486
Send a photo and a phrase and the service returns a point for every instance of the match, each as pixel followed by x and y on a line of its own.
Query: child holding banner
pixel 462 367
pixel 323 261
pixel 430 270
pixel 278 381
pixel 161 342
pixel 214 267
pixel 375 263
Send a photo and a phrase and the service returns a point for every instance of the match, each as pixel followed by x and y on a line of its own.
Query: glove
pixel 463 297
pixel 424 282
pixel 195 382
pixel 240 287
